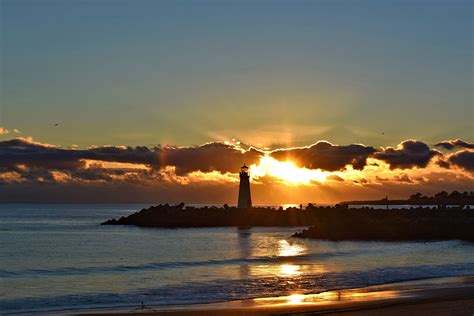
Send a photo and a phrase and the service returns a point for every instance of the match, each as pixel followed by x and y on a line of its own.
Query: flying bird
pixel 56 124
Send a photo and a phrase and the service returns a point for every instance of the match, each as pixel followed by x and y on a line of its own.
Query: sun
pixel 286 171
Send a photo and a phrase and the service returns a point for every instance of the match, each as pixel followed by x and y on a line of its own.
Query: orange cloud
pixel 320 172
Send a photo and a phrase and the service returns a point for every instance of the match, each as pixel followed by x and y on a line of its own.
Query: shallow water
pixel 58 257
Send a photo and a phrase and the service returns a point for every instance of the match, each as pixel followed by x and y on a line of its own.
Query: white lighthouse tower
pixel 245 200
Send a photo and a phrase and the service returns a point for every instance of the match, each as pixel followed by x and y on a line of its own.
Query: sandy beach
pixel 446 296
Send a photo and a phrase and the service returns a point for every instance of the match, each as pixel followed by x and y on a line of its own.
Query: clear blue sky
pixel 269 72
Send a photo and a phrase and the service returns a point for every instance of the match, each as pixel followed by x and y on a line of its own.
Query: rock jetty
pixel 332 223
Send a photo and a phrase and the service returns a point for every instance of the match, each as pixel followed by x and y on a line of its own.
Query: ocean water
pixel 58 257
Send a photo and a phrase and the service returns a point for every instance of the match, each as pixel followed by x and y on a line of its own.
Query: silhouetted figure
pixel 142 307
pixel 245 199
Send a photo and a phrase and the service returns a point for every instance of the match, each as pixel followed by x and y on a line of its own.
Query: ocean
pixel 57 257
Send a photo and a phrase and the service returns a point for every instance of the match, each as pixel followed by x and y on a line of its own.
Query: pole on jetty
pixel 245 199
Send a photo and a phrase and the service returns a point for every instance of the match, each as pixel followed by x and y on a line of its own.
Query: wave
pixel 175 265
pixel 297 259
pixel 224 290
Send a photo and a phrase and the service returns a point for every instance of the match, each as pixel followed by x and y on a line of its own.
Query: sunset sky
pixel 324 100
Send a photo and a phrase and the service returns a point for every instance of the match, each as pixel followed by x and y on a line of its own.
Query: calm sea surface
pixel 56 257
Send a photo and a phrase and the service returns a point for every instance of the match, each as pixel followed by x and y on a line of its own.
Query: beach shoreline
pixel 454 295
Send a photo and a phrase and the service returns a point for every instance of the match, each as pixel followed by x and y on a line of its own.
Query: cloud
pixel 221 192
pixel 35 160
pixel 125 154
pixel 326 156
pixel 408 154
pixel 335 177
pixel 451 144
pixel 216 156
pixel 463 159
pixel 26 152
pixel 4 131
pixel 404 178
pixel 209 172
pixel 29 161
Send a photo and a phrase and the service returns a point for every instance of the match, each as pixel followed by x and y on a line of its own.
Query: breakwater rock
pixel 333 223
pixel 393 225
pixel 189 216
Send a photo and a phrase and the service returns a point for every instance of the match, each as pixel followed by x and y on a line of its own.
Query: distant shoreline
pixel 407 202
pixel 439 199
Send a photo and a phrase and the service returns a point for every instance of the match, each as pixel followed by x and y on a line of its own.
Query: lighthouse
pixel 245 200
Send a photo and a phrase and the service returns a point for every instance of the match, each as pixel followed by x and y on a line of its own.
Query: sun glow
pixel 286 171
pixel 290 270
pixel 285 249
pixel 295 299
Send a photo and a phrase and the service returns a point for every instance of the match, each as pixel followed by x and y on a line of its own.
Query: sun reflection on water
pixel 295 299
pixel 290 270
pixel 325 297
pixel 285 249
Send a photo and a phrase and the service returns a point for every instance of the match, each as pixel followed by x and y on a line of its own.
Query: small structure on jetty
pixel 245 199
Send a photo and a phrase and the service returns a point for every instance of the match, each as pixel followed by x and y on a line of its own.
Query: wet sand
pixel 447 296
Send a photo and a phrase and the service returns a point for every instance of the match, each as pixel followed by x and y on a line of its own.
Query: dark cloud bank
pixel 208 157
pixel 29 170
pixel 463 159
pixel 456 143
pixel 34 160
pixel 408 154
pixel 326 156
